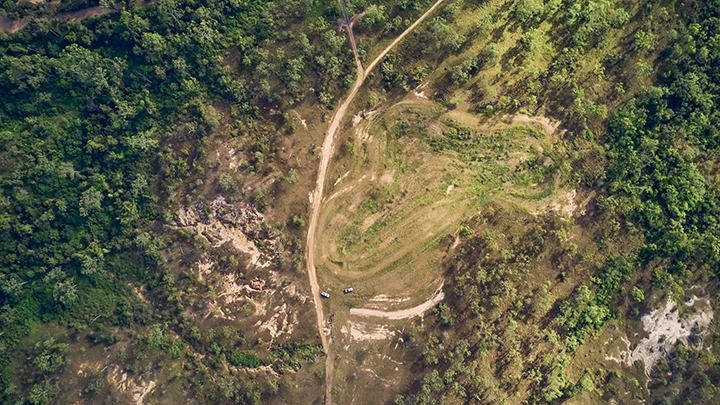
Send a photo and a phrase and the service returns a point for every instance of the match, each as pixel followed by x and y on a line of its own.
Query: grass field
pixel 405 179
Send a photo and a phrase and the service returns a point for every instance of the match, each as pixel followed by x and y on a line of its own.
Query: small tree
pixel 527 10
pixel 530 40
pixel 637 294
pixel 456 41
pixel 643 70
pixel 619 18
pixel 645 41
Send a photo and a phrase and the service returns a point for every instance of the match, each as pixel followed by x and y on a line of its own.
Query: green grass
pixel 372 233
pixel 539 195
pixel 242 359
pixel 347 238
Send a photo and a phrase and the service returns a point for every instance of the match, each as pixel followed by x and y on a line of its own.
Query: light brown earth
pixel 402 314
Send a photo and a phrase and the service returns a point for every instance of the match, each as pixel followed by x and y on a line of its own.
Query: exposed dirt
pixel 359 331
pixel 136 386
pixel 280 323
pixel 666 327
pixel 220 222
pixel 302 121
pixel 11 26
pixel 405 313
pixel 83 14
pixel 548 125
pixel 569 199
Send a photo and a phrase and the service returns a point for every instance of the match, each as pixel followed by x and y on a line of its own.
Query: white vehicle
pixel 325 295
pixel 348 290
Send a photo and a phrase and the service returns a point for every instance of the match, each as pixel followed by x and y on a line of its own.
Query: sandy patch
pixel 229 154
pixel 563 203
pixel 384 298
pixel 231 291
pixel 387 178
pixel 279 323
pixel 360 331
pixel 337 193
pixel 385 382
pixel 456 242
pixel 548 125
pixel 214 309
pixel 139 294
pixel 302 121
pixel 357 118
pixel 136 387
pixel 566 203
pixel 666 328
pixel 405 313
pixel 339 179
pixel 421 95
pixel 204 268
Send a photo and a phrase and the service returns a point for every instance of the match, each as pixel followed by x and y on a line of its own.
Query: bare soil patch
pixel 405 313
pixel 666 327
pixel 11 26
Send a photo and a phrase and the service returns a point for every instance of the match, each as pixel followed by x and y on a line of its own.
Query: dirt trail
pixel 407 31
pixel 347 23
pixel 316 199
pixel 549 125
pixel 404 313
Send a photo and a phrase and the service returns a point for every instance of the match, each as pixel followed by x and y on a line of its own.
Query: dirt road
pixel 326 153
pixel 407 31
pixel 402 314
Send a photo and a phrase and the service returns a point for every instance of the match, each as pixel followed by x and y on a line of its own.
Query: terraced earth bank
pixel 410 175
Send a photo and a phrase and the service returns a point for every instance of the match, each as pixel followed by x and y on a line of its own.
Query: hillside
pixel 522 195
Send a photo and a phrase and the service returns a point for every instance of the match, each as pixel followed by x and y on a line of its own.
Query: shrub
pixel 242 359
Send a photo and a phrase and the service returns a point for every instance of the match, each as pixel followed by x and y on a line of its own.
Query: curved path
pixel 404 313
pixel 326 153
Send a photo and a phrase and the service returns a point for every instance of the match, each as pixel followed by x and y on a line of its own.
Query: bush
pixel 242 359
pixel 619 18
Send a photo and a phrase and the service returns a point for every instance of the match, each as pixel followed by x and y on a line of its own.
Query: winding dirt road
pixel 326 154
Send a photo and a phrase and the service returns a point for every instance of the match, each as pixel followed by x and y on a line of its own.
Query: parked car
pixel 348 290
pixel 325 295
